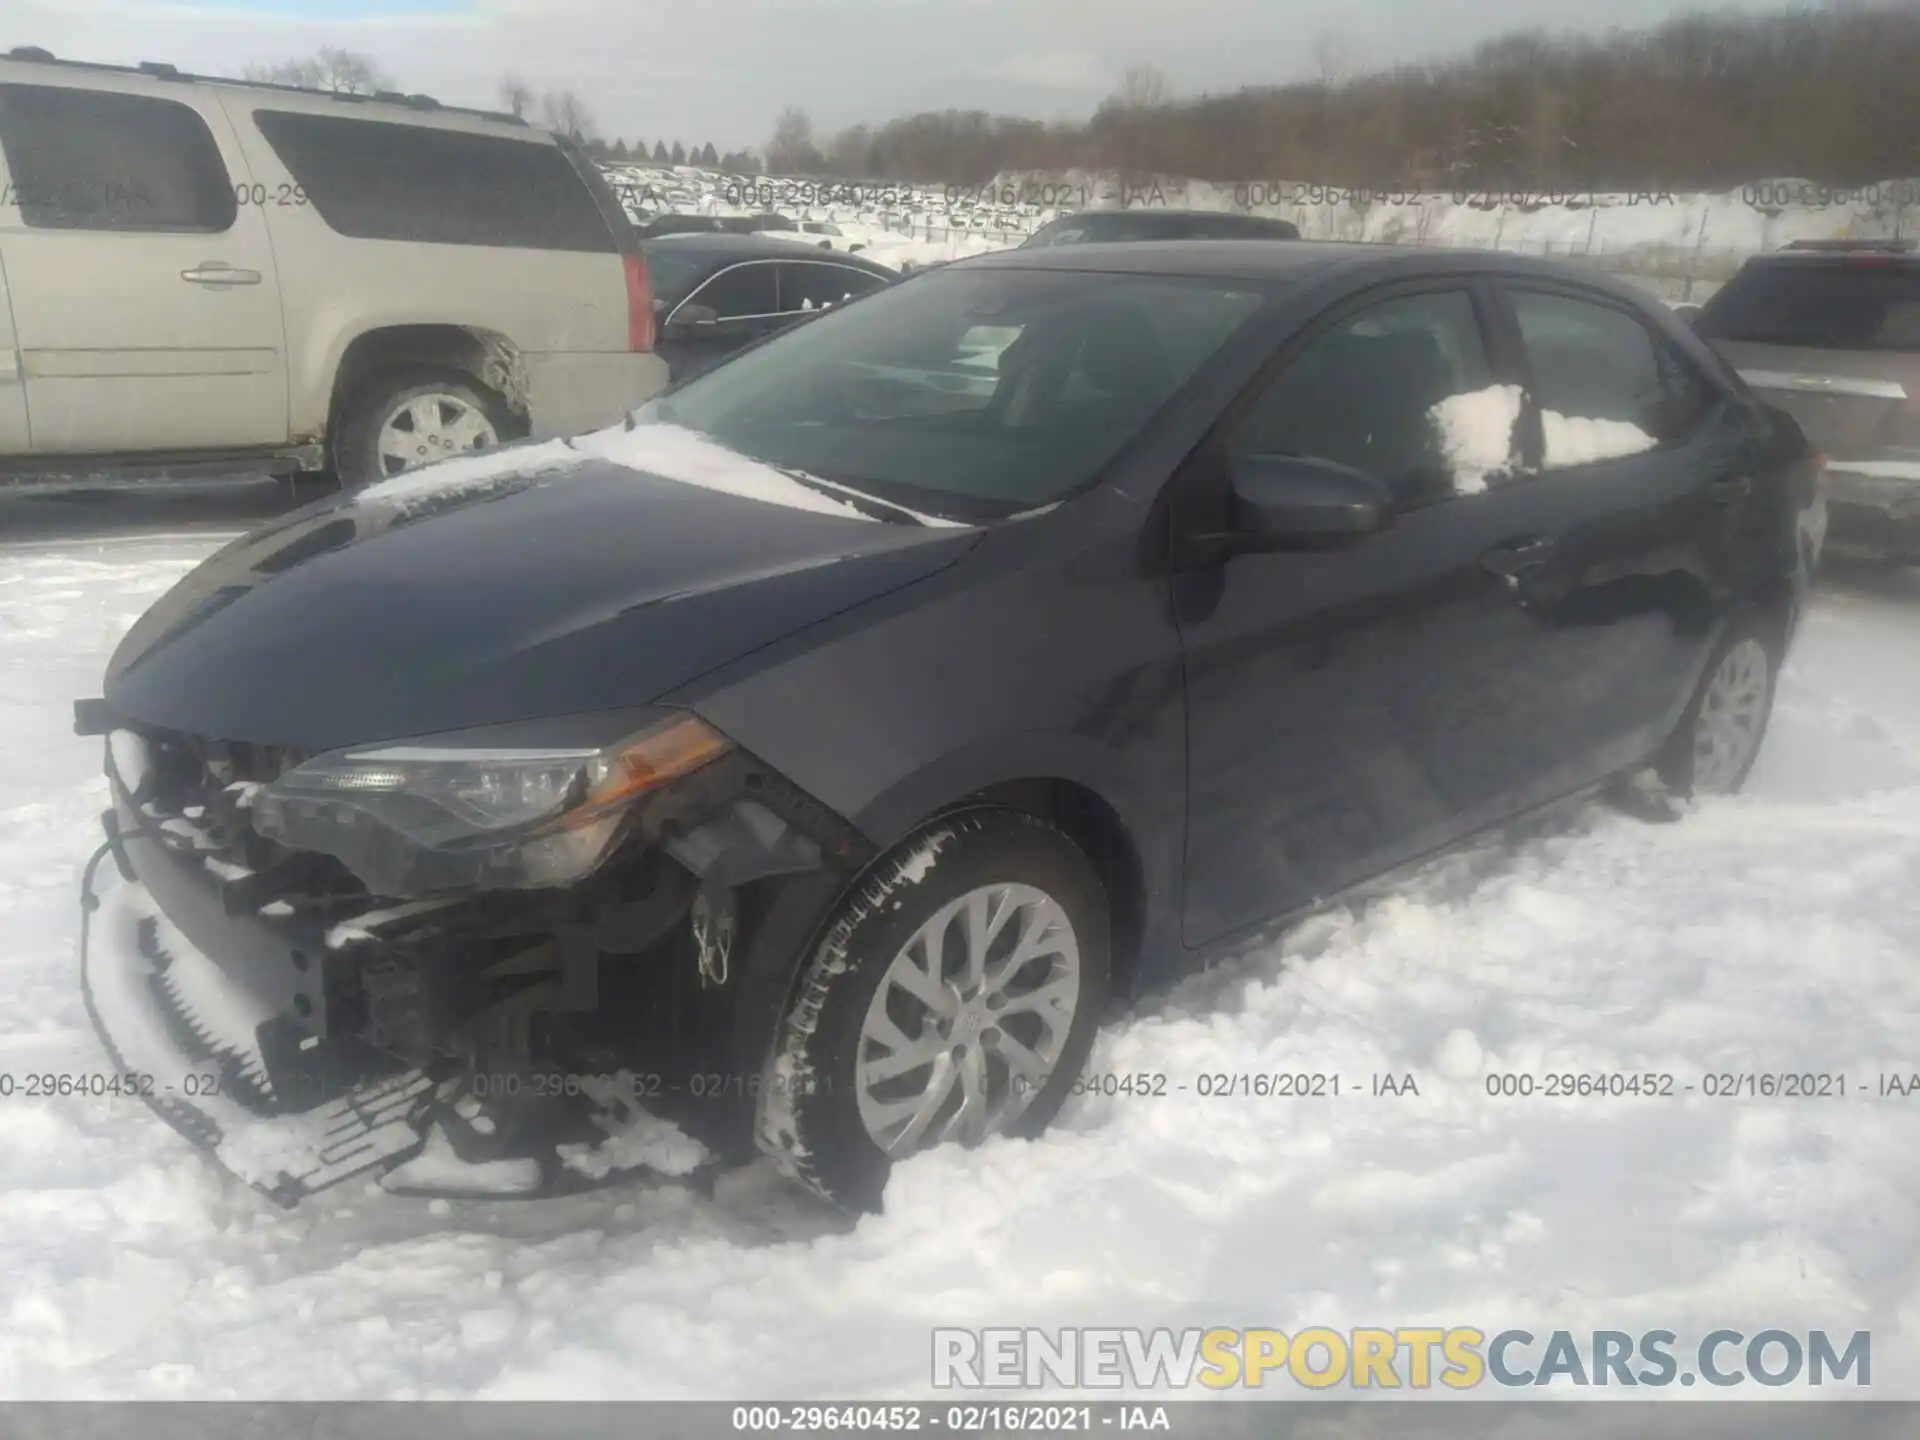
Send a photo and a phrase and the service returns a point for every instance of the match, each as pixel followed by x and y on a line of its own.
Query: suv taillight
pixel 639 302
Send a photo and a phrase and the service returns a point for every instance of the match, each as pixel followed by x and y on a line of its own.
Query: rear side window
pixel 1606 387
pixel 1819 307
pixel 94 160
pixel 374 180
pixel 804 286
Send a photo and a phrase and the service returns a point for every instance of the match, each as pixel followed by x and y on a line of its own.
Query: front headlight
pixel 418 819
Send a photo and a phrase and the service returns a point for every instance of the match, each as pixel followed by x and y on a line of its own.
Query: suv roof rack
pixel 160 70
pixel 1850 247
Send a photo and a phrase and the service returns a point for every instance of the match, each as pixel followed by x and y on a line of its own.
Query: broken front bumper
pixel 206 1047
pixel 220 1023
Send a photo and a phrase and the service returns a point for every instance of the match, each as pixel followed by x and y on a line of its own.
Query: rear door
pixel 141 277
pixel 1638 494
pixel 1835 342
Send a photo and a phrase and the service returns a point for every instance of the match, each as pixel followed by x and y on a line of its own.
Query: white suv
pixel 202 275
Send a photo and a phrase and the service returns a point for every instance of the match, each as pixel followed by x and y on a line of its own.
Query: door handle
pixel 218 272
pixel 1515 558
pixel 1730 489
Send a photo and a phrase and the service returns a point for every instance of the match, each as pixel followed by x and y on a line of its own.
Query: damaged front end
pixel 514 962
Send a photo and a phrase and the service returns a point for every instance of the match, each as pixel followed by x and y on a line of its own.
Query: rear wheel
pixel 1720 735
pixel 955 998
pixel 401 420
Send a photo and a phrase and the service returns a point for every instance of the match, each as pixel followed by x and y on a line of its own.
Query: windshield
pixel 972 394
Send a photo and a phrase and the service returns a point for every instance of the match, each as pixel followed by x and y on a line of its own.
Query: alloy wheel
pixel 969 1020
pixel 1732 716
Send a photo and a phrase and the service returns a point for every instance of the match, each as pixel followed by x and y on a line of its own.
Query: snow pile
pixel 1476 434
pixel 1575 440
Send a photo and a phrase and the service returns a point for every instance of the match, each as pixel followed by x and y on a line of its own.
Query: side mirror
pixel 1290 502
pixel 691 321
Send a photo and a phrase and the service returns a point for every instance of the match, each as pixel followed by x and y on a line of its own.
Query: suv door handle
pixel 1515 558
pixel 1730 489
pixel 218 272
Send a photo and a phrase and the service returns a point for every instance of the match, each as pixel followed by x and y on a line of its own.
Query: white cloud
pixel 698 70
pixel 1062 70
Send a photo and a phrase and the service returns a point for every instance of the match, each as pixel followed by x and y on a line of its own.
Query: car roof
pixel 1356 264
pixel 731 246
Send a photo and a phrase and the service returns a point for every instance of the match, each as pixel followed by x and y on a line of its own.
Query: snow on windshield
pixel 1475 434
pixel 677 453
pixel 669 451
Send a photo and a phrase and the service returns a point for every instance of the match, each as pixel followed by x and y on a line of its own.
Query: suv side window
pixel 1402 390
pixel 376 180
pixel 741 292
pixel 807 286
pixel 99 160
pixel 1605 384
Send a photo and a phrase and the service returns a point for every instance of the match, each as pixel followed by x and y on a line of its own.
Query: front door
pixel 1351 710
pixel 145 307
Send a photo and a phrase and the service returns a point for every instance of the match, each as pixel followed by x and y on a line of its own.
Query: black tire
pixel 1675 765
pixel 809 1117
pixel 356 444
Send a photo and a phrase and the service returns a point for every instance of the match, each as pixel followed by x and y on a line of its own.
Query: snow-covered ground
pixel 1776 932
pixel 1680 244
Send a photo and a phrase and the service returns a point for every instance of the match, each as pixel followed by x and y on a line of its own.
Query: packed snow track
pixel 1776 933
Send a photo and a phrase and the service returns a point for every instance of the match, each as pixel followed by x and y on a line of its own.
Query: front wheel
pixel 401 420
pixel 955 997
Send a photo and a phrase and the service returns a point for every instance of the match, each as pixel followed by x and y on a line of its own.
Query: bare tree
pixel 565 113
pixel 345 72
pixel 792 151
pixel 516 95
pixel 1332 59
pixel 1143 87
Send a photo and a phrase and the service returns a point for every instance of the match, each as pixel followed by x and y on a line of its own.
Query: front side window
pixel 740 292
pixel 375 180
pixel 1401 390
pixel 1605 386
pixel 97 160
pixel 971 394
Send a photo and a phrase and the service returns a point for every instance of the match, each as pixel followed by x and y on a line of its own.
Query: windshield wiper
pixel 869 505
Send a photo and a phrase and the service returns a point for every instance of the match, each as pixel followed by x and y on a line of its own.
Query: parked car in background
pixel 211 276
pixel 1102 227
pixel 805 764
pixel 1830 332
pixel 719 293
pixel 678 224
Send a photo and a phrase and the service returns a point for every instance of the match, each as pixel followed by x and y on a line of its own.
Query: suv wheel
pixel 402 420
pixel 955 997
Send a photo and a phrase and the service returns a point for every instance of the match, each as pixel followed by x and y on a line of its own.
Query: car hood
pixel 542 580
